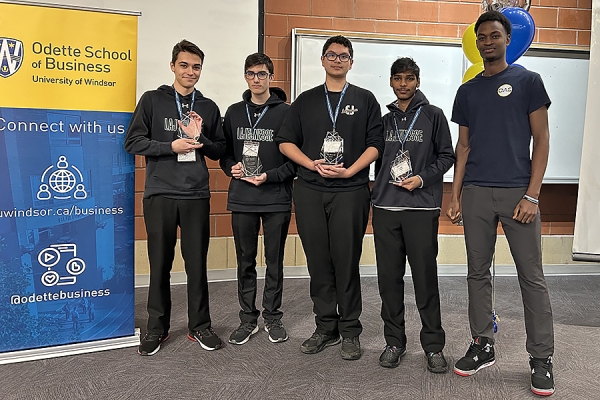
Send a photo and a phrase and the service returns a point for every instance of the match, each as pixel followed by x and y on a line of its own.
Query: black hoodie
pixel 154 126
pixel 431 154
pixel 274 195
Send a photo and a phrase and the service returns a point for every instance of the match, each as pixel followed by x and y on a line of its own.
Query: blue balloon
pixel 523 31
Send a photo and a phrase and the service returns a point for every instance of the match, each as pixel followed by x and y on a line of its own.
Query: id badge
pixel 187 157
pixel 332 146
pixel 401 167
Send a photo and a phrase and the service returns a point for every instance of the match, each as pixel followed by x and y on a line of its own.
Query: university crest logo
pixel 11 56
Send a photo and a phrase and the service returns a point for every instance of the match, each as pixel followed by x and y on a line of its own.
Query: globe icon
pixel 62 181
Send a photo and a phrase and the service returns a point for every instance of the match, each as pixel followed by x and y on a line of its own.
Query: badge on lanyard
pixel 401 167
pixel 332 150
pixel 251 164
pixel 191 129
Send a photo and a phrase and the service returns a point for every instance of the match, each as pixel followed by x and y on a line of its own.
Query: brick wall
pixel 565 22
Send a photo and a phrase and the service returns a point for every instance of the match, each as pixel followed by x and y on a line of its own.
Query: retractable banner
pixel 67 90
pixel 586 246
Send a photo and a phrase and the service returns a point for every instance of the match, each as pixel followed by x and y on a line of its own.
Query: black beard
pixel 491 58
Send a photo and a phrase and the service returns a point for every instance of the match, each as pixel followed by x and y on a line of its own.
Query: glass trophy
pixel 188 129
pixel 332 150
pixel 401 167
pixel 251 165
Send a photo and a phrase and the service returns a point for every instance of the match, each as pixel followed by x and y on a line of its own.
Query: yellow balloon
pixel 469 45
pixel 472 71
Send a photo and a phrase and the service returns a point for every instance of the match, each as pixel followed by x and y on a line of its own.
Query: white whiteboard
pixel 442 65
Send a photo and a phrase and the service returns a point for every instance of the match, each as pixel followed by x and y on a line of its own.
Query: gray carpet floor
pixel 263 370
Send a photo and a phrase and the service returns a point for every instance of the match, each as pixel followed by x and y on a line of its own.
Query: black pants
pixel 331 226
pixel 246 226
pixel 162 216
pixel 412 234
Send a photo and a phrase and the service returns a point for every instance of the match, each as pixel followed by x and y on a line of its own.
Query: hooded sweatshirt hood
pixel 277 96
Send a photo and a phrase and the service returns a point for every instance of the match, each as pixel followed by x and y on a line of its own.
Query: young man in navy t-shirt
pixel 498 112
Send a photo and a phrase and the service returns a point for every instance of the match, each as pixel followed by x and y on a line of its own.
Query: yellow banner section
pixel 67 59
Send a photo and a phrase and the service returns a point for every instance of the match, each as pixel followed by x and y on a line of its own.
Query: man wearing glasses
pixel 333 132
pixel 260 191
pixel 175 127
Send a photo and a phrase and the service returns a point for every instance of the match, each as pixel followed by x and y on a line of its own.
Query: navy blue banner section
pixel 66 227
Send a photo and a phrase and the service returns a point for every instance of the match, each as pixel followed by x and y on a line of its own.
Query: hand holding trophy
pixel 190 129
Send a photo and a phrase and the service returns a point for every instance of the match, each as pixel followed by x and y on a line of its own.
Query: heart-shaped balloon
pixel 523 31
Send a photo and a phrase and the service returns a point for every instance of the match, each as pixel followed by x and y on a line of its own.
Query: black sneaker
pixel 242 334
pixel 150 344
pixel 436 362
pixel 479 355
pixel 350 348
pixel 542 380
pixel 276 331
pixel 390 358
pixel 207 338
pixel 317 342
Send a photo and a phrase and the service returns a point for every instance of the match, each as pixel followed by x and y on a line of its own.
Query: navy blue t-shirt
pixel 496 110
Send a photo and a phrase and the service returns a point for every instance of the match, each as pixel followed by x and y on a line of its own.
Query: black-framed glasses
pixel 262 75
pixel 332 57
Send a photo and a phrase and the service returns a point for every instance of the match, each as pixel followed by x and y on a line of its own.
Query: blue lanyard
pixel 262 114
pixel 412 123
pixel 178 102
pixel 337 109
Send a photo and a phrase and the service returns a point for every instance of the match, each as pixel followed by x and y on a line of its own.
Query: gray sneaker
pixel 350 348
pixel 242 334
pixel 317 342
pixel 276 331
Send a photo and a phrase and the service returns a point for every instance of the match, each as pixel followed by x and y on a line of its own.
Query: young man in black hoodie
pixel 261 190
pixel 175 127
pixel 333 132
pixel 407 197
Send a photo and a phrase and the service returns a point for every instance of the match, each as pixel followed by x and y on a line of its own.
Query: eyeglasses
pixel 262 75
pixel 332 57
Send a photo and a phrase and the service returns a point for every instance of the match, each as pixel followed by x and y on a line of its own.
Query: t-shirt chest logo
pixel 349 110
pixel 505 90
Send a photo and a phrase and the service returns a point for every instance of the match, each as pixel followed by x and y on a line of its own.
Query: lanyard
pixel 178 102
pixel 412 123
pixel 337 109
pixel 262 114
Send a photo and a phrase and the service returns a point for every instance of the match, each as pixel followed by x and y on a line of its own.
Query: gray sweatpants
pixel 482 208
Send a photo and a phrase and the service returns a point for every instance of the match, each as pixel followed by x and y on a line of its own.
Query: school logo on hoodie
pixel 257 135
pixel 349 110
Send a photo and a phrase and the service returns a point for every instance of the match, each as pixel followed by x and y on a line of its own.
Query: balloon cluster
pixel 523 31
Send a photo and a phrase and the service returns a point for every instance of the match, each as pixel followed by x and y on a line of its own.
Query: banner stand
pixel 67 209
pixel 70 349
